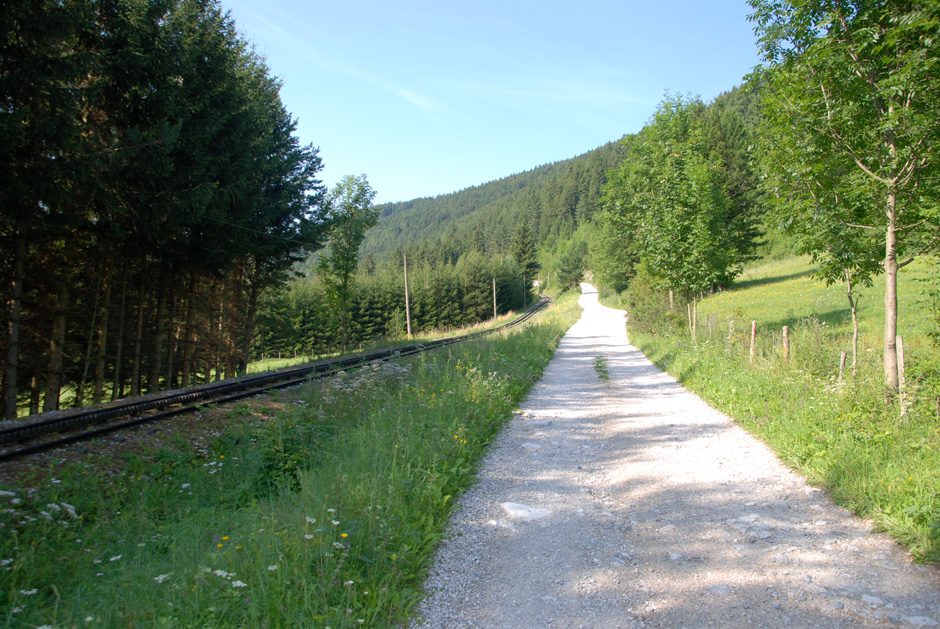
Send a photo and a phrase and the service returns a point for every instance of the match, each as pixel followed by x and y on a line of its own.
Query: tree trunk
pixel 138 337
pixel 891 296
pixel 103 318
pixel 251 311
pixel 188 333
pixel 80 390
pixel 156 354
pixel 117 388
pixel 50 400
pixel 13 324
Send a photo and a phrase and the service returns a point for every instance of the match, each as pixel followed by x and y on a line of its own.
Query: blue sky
pixel 426 98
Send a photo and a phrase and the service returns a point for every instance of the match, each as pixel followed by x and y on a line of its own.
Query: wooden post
pixel 494 297
pixel 672 305
pixel 786 342
pixel 688 316
pixel 407 300
pixel 842 364
pixel 694 319
pixel 731 331
pixel 901 388
pixel 753 338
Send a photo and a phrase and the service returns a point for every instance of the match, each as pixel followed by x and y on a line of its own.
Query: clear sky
pixel 429 97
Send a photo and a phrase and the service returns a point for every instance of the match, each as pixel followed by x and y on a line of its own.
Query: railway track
pixel 122 416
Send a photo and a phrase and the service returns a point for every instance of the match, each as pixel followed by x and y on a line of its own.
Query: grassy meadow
pixel 321 508
pixel 844 436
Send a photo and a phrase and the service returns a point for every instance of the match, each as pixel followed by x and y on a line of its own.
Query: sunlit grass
pixel 843 435
pixel 324 514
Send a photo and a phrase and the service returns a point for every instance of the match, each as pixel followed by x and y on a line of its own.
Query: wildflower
pixel 224 574
pixel 70 509
pixel 311 520
pixel 224 537
pixel 29 592
pixel 5 562
pixel 53 507
pixel 16 610
pixel 335 522
pixel 89 619
pixel 338 546
pixel 272 568
pixel 45 515
pixel 161 577
pixel 115 558
pixel 308 536
pixel 344 535
pixel 185 485
pixel 239 584
pixel 6 494
pixel 348 583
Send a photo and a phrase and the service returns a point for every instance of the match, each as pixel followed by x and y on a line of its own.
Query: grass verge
pixel 842 435
pixel 324 514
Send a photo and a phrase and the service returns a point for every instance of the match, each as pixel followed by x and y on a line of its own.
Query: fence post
pixel 731 331
pixel 753 338
pixel 842 364
pixel 786 343
pixel 901 385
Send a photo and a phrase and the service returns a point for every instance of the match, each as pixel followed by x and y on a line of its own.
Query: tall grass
pixel 843 435
pixel 324 513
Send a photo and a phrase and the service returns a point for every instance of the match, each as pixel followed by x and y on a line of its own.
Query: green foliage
pixel 351 215
pixel 848 134
pixel 572 265
pixel 149 173
pixel 670 198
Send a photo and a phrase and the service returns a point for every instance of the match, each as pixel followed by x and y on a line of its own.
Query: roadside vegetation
pixel 323 512
pixel 843 435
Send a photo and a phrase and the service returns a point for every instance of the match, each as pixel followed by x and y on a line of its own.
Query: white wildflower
pixel 348 583
pixel 331 510
pixel 224 574
pixel 160 578
pixel 53 507
pixel 308 536
pixel 29 592
pixel 46 515
pixel 16 610
pixel 6 494
pixel 115 558
pixel 272 568
pixel 311 520
pixel 338 546
pixel 239 584
pixel 70 509
pixel 5 562
pixel 335 522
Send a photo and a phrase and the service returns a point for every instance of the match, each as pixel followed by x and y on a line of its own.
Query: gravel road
pixel 631 503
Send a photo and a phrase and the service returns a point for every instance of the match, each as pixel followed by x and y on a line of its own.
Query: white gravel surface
pixel 631 503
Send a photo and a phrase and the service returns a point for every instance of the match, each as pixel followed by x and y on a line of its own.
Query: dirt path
pixel 631 503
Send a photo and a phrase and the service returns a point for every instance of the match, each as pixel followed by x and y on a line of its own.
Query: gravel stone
pixel 656 511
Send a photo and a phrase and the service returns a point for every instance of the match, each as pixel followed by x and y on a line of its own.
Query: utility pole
pixel 407 302
pixel 494 297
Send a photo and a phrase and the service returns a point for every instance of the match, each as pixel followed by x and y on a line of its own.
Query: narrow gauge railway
pixel 121 416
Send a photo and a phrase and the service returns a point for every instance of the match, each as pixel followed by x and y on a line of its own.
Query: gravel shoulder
pixel 631 503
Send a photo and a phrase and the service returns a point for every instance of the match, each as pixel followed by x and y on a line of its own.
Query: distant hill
pixel 556 198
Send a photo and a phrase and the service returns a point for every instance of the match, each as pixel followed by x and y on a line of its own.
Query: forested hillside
pixel 555 198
